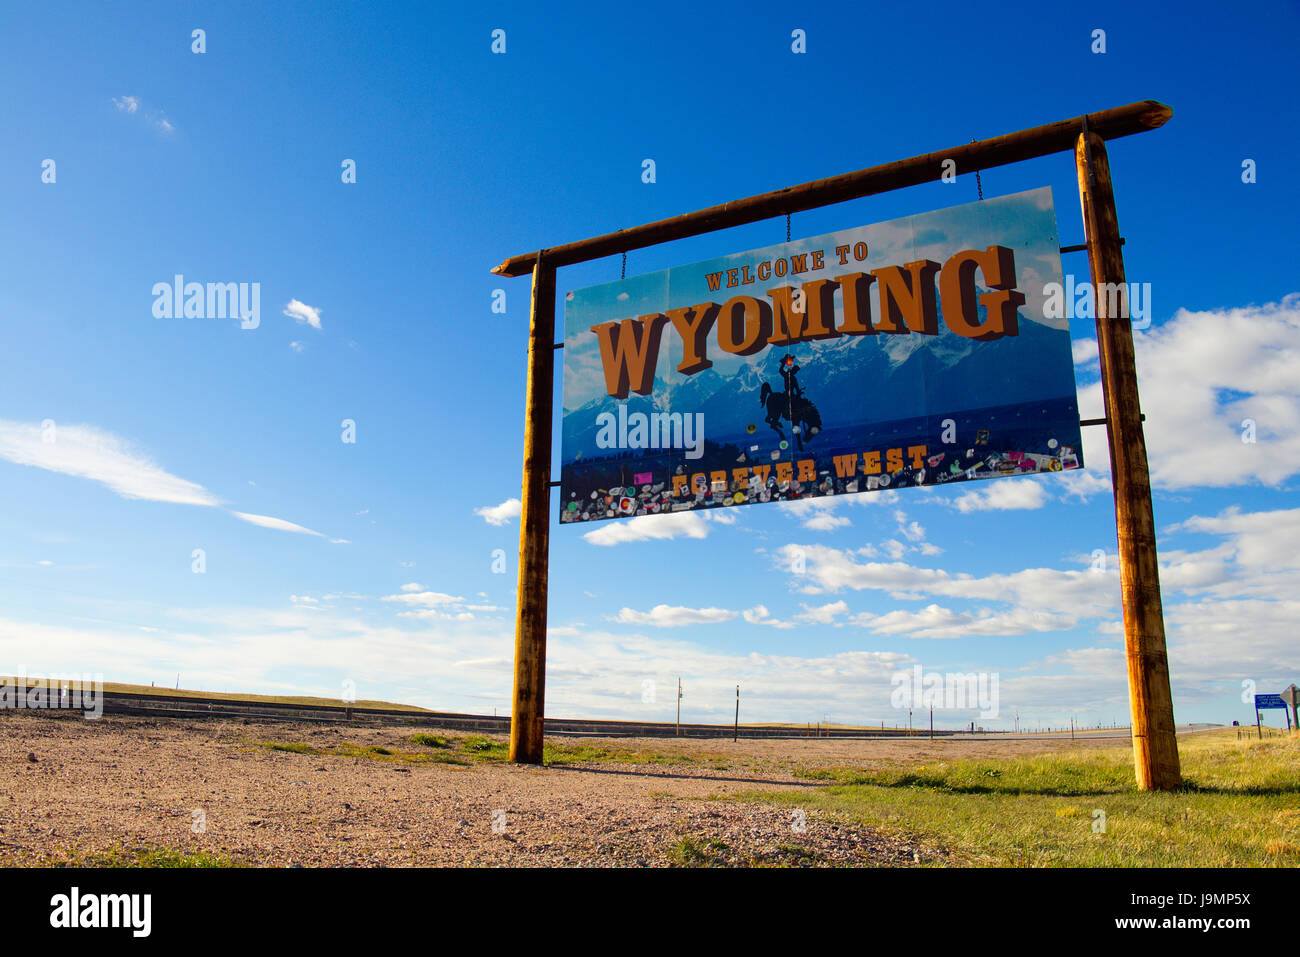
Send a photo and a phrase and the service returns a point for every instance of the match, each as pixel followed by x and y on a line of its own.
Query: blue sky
pixel 372 561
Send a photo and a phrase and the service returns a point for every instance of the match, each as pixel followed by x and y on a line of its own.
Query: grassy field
pixel 1239 807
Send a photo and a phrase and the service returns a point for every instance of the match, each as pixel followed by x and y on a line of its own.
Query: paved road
pixel 170 706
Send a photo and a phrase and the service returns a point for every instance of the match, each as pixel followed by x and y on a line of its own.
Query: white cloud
pixel 823 614
pixel 825 522
pixel 1084 351
pixel 1084 593
pixel 1003 495
pixel 674 616
pixel 302 313
pixel 428 599
pixel 296 346
pixel 1082 483
pixel 647 527
pixel 83 451
pixel 279 524
pixel 1202 374
pixel 759 615
pixel 434 605
pixel 934 621
pixel 912 531
pixel 155 118
pixel 500 514
pixel 442 657
pixel 458 665
pixel 86 452
pixel 820 514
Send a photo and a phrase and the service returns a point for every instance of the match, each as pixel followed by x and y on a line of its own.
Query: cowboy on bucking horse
pixel 790 405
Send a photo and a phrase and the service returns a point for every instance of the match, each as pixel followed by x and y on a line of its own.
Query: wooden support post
pixel 529 699
pixel 1155 745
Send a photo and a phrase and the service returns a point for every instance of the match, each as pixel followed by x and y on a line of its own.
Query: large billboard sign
pixel 920 351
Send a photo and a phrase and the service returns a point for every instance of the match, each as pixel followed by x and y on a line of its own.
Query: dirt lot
pixel 74 790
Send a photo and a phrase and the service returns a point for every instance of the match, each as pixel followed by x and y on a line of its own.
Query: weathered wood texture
pixel 529 698
pixel 1155 745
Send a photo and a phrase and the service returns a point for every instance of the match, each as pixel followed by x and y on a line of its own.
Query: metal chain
pixel 979 184
pixel 787 227
pixel 623 274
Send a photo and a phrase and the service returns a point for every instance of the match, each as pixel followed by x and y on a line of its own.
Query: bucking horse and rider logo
pixel 790 405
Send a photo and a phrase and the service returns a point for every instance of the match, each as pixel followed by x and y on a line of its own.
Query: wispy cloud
pixel 131 105
pixel 279 524
pixel 83 451
pixel 674 616
pixel 424 604
pixel 86 452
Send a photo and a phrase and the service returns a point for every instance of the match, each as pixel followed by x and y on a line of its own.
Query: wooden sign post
pixel 1292 697
pixel 1155 746
pixel 526 718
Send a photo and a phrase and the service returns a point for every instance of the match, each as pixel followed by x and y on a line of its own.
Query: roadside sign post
pixel 1292 697
pixel 1273 702
pixel 526 716
pixel 1154 740
pixel 1155 743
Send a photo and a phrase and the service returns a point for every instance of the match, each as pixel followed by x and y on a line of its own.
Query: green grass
pixel 689 852
pixel 152 857
pixel 1239 806
pixel 483 748
pixel 587 753
pixel 296 747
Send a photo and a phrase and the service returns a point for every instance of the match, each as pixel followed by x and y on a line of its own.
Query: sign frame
pixel 1155 744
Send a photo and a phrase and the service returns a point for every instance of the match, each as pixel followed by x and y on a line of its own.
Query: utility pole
pixel 735 736
pixel 679 706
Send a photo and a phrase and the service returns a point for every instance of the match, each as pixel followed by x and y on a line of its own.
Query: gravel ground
pixel 77 789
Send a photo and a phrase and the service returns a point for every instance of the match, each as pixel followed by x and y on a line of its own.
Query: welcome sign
pixel 912 352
